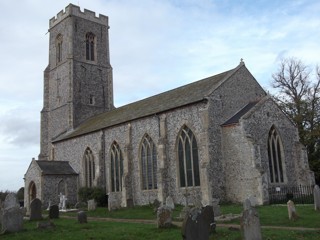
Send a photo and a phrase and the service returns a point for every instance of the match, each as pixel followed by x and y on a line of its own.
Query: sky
pixel 155 45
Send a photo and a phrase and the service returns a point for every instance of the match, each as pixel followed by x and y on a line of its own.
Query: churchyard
pixel 140 223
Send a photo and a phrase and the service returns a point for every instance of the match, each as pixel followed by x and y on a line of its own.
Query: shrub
pixel 96 193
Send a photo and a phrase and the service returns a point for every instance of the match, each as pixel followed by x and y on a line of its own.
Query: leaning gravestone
pixel 54 212
pixel 92 205
pixel 164 218
pixel 82 217
pixel 292 210
pixel 36 209
pixel 316 196
pixel 198 224
pixel 12 219
pixel 170 203
pixel 250 222
pixel 10 201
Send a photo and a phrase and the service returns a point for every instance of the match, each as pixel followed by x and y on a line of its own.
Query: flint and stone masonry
pixel 241 142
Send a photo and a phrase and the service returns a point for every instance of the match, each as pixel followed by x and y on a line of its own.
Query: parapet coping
pixel 73 10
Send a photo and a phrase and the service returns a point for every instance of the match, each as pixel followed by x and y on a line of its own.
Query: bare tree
pixel 299 97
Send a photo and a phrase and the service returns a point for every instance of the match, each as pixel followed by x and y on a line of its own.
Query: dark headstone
pixel 130 203
pixel 36 209
pixel 54 212
pixel 198 224
pixel 82 217
pixel 164 219
pixel 12 219
pixel 250 222
pixel 46 225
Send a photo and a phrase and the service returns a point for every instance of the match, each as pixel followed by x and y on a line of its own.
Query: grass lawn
pixel 70 229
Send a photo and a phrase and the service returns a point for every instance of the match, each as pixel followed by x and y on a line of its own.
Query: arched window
pixel 148 156
pixel 276 157
pixel 89 168
pixel 188 159
pixel 59 48
pixel 116 168
pixel 90 46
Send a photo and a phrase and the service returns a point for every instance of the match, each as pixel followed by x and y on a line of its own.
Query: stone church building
pixel 221 137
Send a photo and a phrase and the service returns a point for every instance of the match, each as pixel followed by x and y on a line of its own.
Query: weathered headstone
pixel 82 217
pixel 292 210
pixel 164 218
pixel 250 222
pixel 11 201
pixel 54 212
pixel 253 201
pixel 36 209
pixel 12 219
pixel 316 196
pixel 92 205
pixel 130 203
pixel 170 203
pixel 46 225
pixel 198 224
pixel 216 207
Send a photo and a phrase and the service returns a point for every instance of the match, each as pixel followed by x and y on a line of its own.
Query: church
pixel 222 137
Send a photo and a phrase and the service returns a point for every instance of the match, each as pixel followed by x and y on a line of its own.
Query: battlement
pixel 73 10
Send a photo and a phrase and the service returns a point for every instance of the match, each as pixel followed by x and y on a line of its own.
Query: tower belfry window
pixel 90 46
pixel 59 48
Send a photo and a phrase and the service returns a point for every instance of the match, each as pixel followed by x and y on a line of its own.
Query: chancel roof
pixel 179 97
pixel 55 168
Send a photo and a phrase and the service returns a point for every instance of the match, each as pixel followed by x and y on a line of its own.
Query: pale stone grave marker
pixel 164 218
pixel 216 207
pixel 250 222
pixel 36 209
pixel 292 210
pixel 10 201
pixel 54 212
pixel 92 205
pixel 316 195
pixel 170 203
pixel 82 217
pixel 12 219
pixel 198 224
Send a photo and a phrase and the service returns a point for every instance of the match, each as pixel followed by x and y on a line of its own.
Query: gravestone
pixel 316 196
pixel 198 224
pixel 82 217
pixel 253 201
pixel 11 201
pixel 216 207
pixel 130 203
pixel 92 205
pixel 12 219
pixel 36 209
pixel 46 225
pixel 170 203
pixel 292 210
pixel 164 218
pixel 250 222
pixel 54 212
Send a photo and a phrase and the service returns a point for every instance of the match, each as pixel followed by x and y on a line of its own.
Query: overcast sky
pixel 155 45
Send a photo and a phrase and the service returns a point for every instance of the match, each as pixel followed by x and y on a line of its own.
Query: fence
pixel 299 195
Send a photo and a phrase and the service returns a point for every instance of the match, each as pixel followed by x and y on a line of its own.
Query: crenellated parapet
pixel 73 10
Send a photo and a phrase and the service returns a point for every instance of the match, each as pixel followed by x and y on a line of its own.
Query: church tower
pixel 78 80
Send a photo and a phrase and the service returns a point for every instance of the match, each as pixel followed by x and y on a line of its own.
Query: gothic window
pixel 276 157
pixel 188 159
pixel 116 168
pixel 59 48
pixel 90 46
pixel 89 168
pixel 148 160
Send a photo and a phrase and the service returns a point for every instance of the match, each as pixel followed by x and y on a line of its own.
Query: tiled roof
pixel 55 168
pixel 235 118
pixel 182 96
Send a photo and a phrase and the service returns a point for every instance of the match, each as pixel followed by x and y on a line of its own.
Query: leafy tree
pixel 299 97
